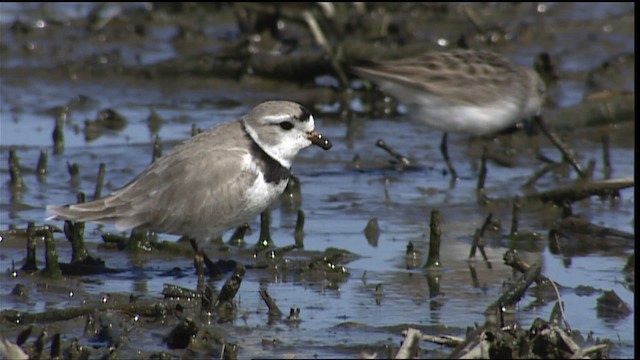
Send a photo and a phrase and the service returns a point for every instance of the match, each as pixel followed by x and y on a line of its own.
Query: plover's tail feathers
pixel 103 211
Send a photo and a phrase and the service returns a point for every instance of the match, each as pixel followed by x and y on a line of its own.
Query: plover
pixel 215 181
pixel 460 91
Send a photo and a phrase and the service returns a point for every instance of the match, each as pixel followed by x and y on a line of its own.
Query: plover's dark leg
pixel 445 153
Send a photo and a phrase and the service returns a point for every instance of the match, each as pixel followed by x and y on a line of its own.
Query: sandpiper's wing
pixel 464 76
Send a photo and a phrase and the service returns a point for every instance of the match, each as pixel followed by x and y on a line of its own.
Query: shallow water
pixel 337 197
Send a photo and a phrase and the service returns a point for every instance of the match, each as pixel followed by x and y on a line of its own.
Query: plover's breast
pixel 264 190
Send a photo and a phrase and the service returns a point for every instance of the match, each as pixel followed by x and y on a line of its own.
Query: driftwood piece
pixel 516 291
pixel 446 340
pixel 52 315
pixel 410 348
pixel 582 191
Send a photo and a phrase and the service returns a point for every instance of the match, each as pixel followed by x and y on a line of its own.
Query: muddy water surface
pixel 341 190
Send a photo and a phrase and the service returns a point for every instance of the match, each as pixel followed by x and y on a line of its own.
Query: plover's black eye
pixel 286 125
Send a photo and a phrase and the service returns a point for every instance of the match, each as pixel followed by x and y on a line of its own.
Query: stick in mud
pixel 41 168
pixel 511 258
pixel 74 171
pixel 58 135
pixel 606 156
pixel 274 310
pixel 515 214
pixel 372 232
pixel 74 231
pixel 402 160
pixel 564 149
pixel 230 288
pixel 157 148
pixel 52 269
pixel 16 180
pixel 298 235
pixel 100 181
pixel 433 259
pixel 516 291
pixel 30 263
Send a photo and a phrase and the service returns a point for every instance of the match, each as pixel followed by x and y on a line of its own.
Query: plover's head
pixel 282 129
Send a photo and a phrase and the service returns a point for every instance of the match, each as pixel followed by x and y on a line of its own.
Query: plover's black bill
pixel 319 140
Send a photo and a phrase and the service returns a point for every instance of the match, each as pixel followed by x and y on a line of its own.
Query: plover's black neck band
pixel 272 170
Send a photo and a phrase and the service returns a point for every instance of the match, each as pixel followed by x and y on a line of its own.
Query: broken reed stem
pixel 402 160
pixel 74 171
pixel 564 149
pixel 606 156
pixel 30 263
pixel 230 288
pixel 433 259
pixel 58 135
pixel 298 235
pixel 14 169
pixel 74 231
pixel 157 148
pixel 265 240
pixel 274 310
pixel 100 182
pixel 195 130
pixel 41 168
pixel 515 213
pixel 52 268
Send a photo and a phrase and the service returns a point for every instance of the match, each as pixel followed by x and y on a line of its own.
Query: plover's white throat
pixel 463 91
pixel 215 181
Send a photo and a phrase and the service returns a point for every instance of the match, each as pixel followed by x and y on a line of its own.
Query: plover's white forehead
pixel 279 112
pixel 305 122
